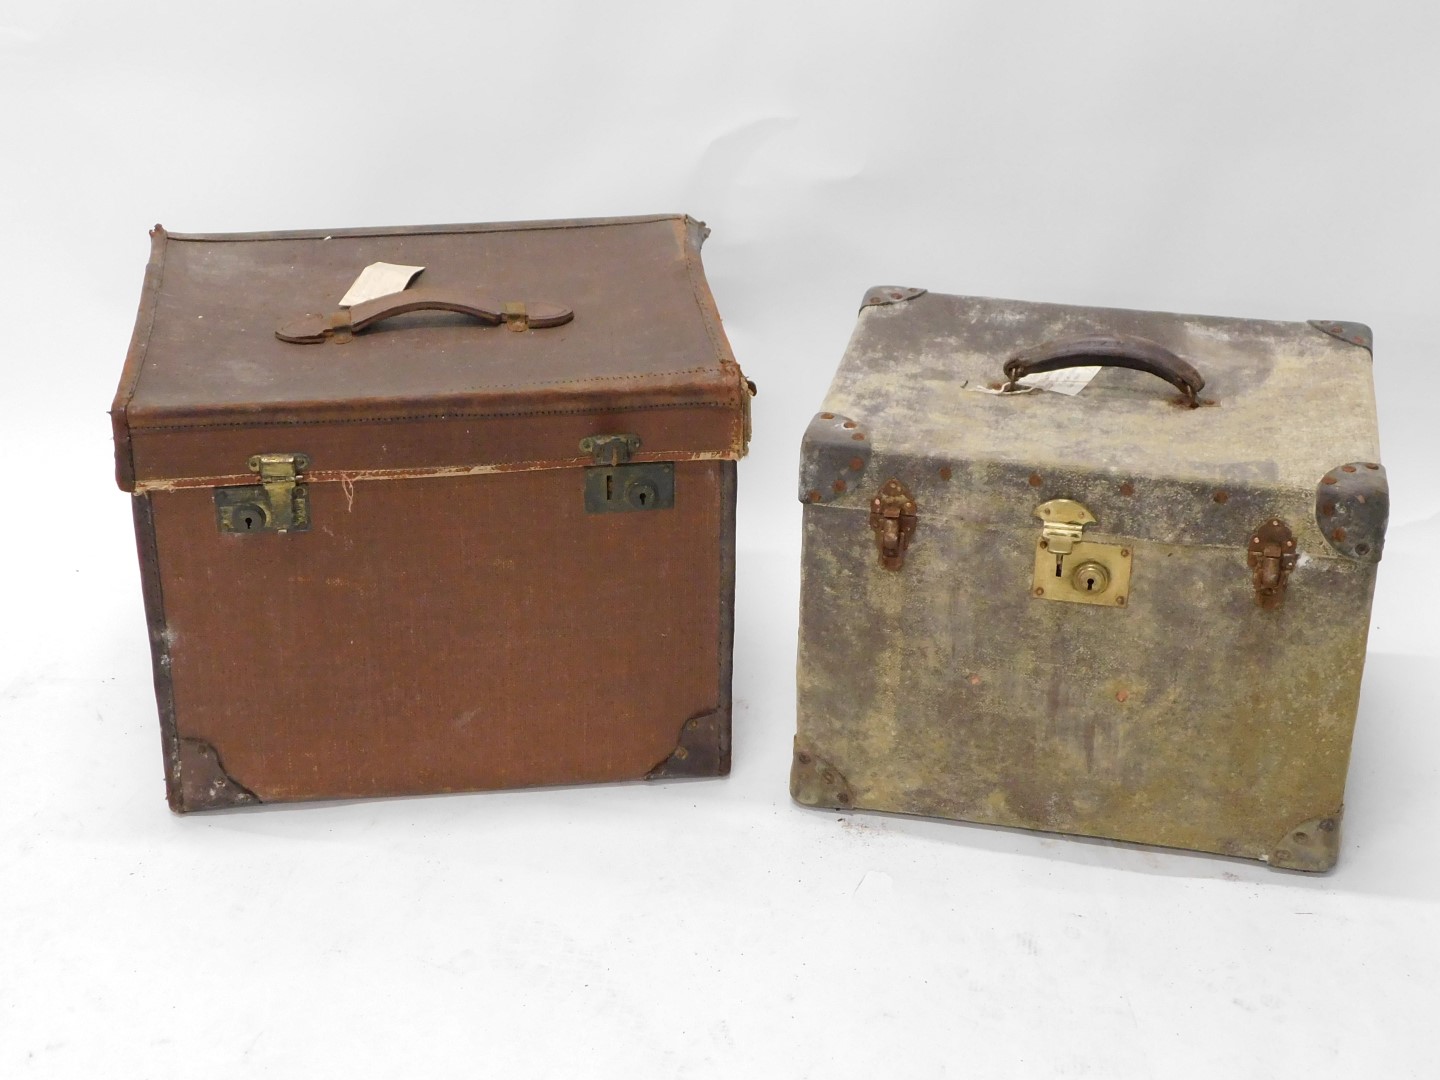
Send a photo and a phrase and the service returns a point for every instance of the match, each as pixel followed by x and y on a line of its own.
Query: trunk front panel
pixel 447 633
pixel 1191 717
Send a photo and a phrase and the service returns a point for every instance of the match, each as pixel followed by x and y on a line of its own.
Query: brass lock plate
pixel 1074 570
pixel 1089 574
pixel 647 485
pixel 278 504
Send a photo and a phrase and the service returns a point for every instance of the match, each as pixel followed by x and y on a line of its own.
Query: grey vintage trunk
pixel 1188 674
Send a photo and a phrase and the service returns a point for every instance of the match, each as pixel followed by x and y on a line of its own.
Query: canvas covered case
pixel 478 533
pixel 1137 612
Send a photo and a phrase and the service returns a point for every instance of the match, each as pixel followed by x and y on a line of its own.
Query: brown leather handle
pixel 339 325
pixel 1107 350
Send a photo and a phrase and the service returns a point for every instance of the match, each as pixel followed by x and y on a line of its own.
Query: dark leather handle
pixel 1107 350
pixel 340 324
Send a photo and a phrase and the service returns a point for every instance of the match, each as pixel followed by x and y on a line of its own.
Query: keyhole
pixel 609 486
pixel 1058 560
pixel 640 494
pixel 1091 577
pixel 249 522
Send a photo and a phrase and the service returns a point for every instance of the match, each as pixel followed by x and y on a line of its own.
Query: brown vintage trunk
pixel 462 564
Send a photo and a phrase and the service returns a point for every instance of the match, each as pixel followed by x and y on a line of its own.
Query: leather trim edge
pixel 154 598
pixel 135 360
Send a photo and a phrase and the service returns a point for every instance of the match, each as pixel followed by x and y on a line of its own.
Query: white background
pixel 1265 159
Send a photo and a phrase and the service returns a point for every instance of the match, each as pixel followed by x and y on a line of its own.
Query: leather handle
pixel 518 315
pixel 1106 350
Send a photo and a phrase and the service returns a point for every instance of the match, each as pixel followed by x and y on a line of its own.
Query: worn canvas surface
pixel 1191 716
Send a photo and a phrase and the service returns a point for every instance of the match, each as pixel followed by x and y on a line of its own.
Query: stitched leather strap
pixel 1105 350
pixel 340 324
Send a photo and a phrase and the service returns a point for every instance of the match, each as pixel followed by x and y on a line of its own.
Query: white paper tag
pixel 379 279
pixel 1065 381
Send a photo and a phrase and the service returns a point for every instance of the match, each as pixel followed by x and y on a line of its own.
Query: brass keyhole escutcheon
pixel 1090 577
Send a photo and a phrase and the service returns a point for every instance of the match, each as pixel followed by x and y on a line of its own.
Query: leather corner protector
pixel 1312 845
pixel 833 457
pixel 1352 509
pixel 1352 333
pixel 204 783
pixel 881 295
pixel 702 749
pixel 815 782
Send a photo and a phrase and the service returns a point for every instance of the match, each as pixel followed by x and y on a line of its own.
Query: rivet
pixel 1289 543
pixel 1119 601
pixel 856 464
pixel 1371 465
pixel 848 424
pixel 1124 553
pixel 1360 499
pixel 1035 480
pixel 1328 479
pixel 858 437
pixel 1123 695
pixel 1338 534
pixel 1327 509
pixel 803 758
pixel 944 472
pixel 827 416
pixel 1044 543
pixel 1327 824
pixel 692 724
pixel 681 753
pixel 1347 468
pixel 1302 836
pixel 1282 855
pixel 839 486
pixel 843 797
pixel 1127 488
pixel 1254 539
pixel 1039 591
pixel 894 296
pixel 814 495
pixel 1362 549
pixel 1221 496
pixel 974 680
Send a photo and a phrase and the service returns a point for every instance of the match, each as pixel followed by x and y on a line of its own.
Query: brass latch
pixel 1071 568
pixel 892 516
pixel 1272 557
pixel 279 503
pixel 615 484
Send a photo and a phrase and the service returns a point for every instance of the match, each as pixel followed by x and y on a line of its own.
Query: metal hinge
pixel 279 503
pixel 1071 568
pixel 893 517
pixel 615 484
pixel 1272 557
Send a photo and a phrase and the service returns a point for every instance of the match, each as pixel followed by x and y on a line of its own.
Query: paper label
pixel 1065 381
pixel 379 279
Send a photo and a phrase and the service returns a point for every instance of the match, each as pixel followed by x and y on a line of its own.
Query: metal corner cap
pixel 1352 333
pixel 880 295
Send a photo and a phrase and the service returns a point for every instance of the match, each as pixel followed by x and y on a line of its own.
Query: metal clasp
pixel 1071 568
pixel 279 503
pixel 1272 557
pixel 616 484
pixel 893 517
